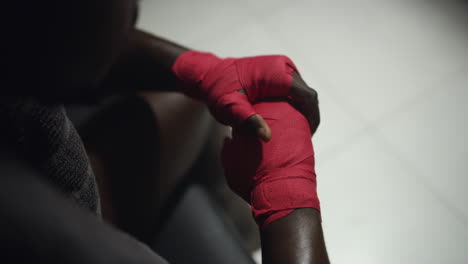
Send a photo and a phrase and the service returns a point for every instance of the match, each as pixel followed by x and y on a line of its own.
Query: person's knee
pixel 185 126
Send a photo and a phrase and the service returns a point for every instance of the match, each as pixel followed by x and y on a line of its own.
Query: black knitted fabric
pixel 48 140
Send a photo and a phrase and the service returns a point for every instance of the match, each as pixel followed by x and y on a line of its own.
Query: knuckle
pixel 313 93
pixel 285 57
pixel 311 98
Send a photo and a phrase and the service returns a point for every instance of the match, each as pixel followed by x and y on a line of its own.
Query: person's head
pixel 62 46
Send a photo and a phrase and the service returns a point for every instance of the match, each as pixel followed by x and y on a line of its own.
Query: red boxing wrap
pixel 217 81
pixel 278 176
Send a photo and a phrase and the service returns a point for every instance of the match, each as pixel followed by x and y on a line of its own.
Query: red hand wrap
pixel 217 81
pixel 278 176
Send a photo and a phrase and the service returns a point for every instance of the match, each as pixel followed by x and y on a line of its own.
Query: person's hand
pixel 274 177
pixel 302 97
pixel 230 86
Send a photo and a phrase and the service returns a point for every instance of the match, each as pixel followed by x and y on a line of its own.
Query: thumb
pixel 234 109
pixel 257 125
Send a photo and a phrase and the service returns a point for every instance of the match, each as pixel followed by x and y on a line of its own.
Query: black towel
pixel 49 141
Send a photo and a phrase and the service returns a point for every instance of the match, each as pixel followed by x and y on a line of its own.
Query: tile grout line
pixel 462 217
pixel 389 115
pixel 371 129
pixel 372 126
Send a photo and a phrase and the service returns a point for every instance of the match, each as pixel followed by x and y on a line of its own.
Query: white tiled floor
pixel 393 83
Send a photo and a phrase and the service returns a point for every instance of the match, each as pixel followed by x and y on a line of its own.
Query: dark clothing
pixel 46 138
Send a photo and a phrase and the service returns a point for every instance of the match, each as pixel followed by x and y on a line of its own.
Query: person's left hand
pixel 219 82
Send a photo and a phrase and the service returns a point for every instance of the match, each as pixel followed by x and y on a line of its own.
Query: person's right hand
pixel 274 177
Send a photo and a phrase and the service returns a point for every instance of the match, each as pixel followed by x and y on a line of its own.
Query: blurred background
pixel 392 78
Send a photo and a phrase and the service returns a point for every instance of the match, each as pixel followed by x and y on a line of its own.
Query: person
pixel 66 52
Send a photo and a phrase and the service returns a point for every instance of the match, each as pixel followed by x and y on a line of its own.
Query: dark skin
pixel 154 57
pixel 115 47
pixel 144 52
pixel 303 227
pixel 296 238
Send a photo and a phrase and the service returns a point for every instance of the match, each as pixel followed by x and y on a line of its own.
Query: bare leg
pixel 139 160
pixel 206 167
pixel 144 148
pixel 208 172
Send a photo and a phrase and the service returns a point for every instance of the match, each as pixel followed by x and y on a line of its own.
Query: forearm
pixel 278 179
pixel 296 238
pixel 146 64
pixel 38 225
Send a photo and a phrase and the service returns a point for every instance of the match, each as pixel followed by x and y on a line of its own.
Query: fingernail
pixel 263 134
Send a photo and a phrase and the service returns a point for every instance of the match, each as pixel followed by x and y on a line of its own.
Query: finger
pixel 305 99
pixel 235 110
pixel 232 109
pixel 314 118
pixel 309 107
pixel 257 125
pixel 311 112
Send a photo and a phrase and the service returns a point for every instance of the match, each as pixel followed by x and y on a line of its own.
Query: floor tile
pixel 431 139
pixel 192 23
pixel 375 211
pixel 375 54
